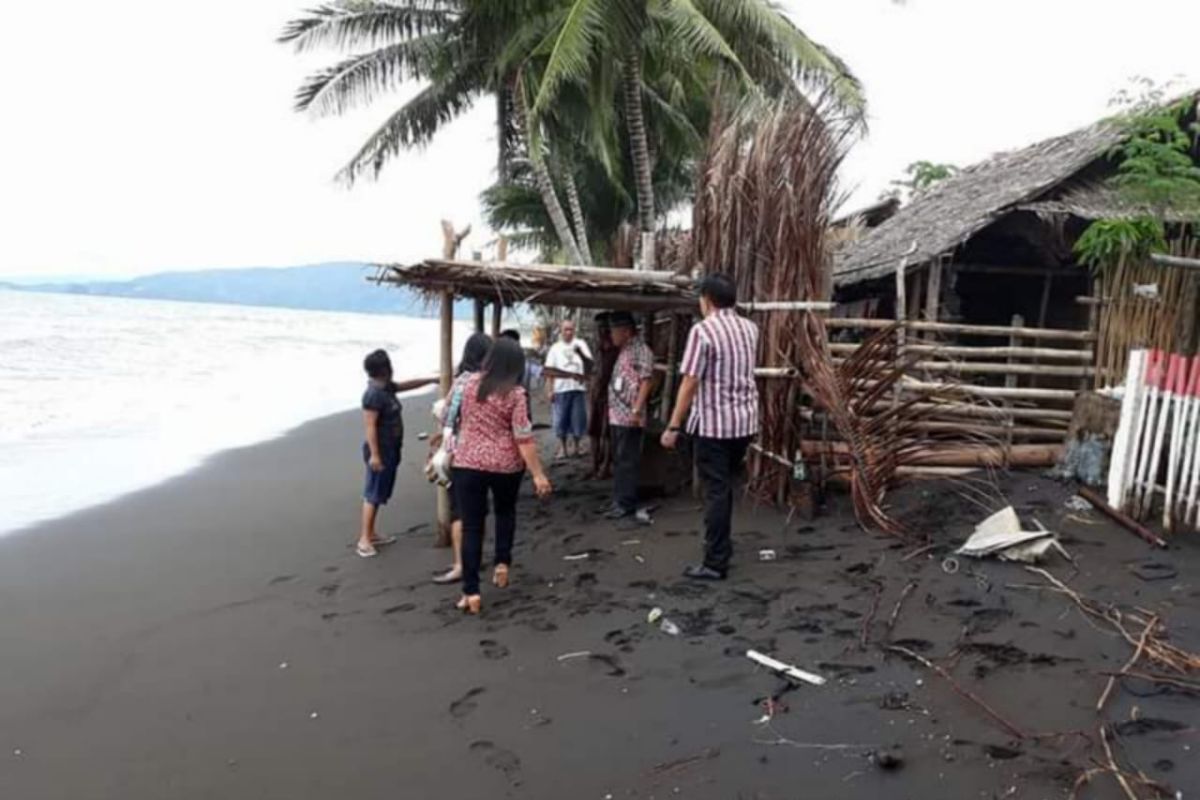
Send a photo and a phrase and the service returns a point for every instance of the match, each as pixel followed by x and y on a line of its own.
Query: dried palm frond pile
pixel 763 214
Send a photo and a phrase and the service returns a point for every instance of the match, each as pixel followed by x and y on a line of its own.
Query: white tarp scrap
pixel 1001 535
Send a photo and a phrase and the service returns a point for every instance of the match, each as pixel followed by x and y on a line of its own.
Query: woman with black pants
pixel 495 447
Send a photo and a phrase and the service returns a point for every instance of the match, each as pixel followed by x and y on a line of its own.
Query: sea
pixel 103 396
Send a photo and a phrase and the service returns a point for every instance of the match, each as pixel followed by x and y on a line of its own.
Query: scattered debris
pixel 576 654
pixel 908 589
pixel 679 763
pixel 766 554
pixel 422 436
pixel 313 715
pixel 1001 535
pixel 1121 518
pixel 577 557
pixel 950 565
pixel 283 665
pixel 888 762
pixel 920 551
pixel 1077 504
pixel 668 627
pixel 1153 570
pixel 784 669
pixel 1010 728
pixel 629 542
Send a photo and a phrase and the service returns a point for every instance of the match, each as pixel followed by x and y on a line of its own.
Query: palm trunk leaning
pixel 631 89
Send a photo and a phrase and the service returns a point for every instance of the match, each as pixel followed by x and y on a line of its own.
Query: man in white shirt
pixel 569 395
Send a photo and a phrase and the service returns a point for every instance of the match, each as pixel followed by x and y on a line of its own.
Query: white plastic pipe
pixel 1180 461
pixel 1188 440
pixel 1150 474
pixel 1141 472
pixel 784 669
pixel 1123 441
pixel 1192 453
pixel 1178 383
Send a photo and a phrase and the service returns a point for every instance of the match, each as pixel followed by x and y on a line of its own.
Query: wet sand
pixel 216 637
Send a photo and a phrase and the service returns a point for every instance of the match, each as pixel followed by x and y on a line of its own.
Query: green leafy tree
pixel 751 42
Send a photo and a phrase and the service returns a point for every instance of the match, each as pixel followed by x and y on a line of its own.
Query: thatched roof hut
pixel 953 210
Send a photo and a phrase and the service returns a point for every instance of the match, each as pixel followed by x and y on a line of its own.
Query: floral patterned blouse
pixel 490 431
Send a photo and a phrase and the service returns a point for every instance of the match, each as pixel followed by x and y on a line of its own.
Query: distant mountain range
pixel 339 286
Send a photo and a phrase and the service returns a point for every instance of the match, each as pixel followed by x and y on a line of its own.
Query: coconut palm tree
pixel 452 47
pixel 751 40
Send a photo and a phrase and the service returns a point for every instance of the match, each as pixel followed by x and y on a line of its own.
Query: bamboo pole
pixel 447 376
pixel 1175 261
pixel 994 412
pixel 622 276
pixel 998 368
pixel 479 308
pixel 1004 331
pixel 966 351
pixel 668 400
pixel 1023 455
pixel 933 293
pixel 497 314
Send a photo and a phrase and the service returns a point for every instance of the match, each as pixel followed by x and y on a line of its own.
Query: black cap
pixel 621 319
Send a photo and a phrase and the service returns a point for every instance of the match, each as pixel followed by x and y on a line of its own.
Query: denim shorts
pixel 378 486
pixel 570 414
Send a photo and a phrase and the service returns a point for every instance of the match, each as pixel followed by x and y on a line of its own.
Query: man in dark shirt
pixel 384 428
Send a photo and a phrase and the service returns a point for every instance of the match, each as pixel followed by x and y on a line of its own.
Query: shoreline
pixel 185 472
pixel 215 636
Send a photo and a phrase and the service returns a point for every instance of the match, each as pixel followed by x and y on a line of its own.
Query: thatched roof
pixel 545 284
pixel 951 211
pixel 1097 201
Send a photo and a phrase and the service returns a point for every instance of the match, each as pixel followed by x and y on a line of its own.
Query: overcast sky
pixel 141 136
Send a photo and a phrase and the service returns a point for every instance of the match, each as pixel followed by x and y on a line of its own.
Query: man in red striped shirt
pixel 718 389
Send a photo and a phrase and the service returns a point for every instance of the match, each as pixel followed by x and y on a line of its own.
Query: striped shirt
pixel 720 354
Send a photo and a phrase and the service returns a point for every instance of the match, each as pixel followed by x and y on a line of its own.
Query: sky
pixel 148 136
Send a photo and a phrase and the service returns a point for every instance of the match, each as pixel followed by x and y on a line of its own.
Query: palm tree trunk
pixel 503 124
pixel 545 185
pixel 631 89
pixel 576 207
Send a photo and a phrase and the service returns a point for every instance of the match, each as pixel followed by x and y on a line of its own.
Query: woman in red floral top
pixel 494 448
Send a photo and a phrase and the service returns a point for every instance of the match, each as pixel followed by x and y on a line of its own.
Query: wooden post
pixel 479 306
pixel 1043 307
pixel 447 375
pixel 933 293
pixel 450 244
pixel 668 399
pixel 497 314
pixel 1010 382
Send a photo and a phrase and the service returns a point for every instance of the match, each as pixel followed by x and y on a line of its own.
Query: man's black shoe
pixel 703 573
pixel 618 513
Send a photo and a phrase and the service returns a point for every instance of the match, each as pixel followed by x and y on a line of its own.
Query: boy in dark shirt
pixel 384 437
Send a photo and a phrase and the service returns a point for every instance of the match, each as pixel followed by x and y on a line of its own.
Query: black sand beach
pixel 216 637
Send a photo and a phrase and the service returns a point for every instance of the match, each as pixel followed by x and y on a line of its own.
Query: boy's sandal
pixel 365 552
pixel 381 542
pixel 500 576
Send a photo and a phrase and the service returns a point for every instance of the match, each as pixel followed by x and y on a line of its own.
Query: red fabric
pixel 490 431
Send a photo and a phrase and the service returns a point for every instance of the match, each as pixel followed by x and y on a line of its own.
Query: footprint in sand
pixel 403 607
pixel 498 758
pixel 329 589
pixel 493 650
pixel 281 579
pixel 466 704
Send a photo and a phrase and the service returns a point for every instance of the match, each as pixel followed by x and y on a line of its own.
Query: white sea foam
pixel 102 396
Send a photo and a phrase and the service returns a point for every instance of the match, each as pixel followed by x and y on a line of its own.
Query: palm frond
pixel 359 80
pixel 368 23
pixel 696 33
pixel 416 122
pixel 807 60
pixel 573 52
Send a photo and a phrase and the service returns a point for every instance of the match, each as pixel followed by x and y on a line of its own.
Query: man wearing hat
pixel 628 394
